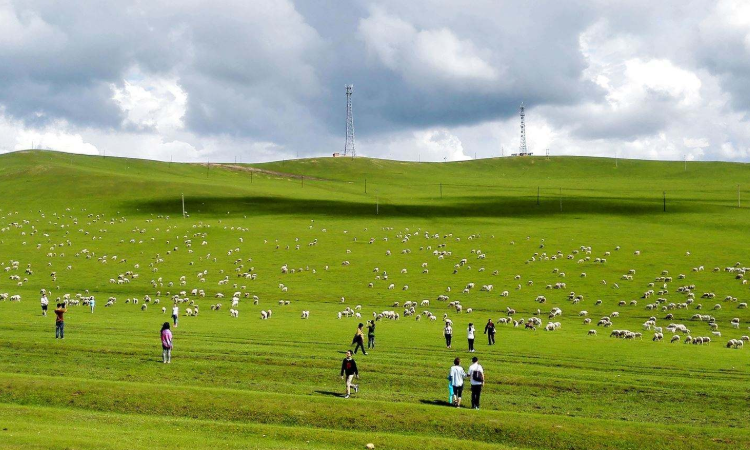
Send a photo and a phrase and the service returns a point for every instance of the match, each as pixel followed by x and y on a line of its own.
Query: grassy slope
pixel 234 381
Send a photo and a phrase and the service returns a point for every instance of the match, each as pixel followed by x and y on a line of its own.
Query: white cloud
pixel 425 56
pixel 151 102
pixel 54 138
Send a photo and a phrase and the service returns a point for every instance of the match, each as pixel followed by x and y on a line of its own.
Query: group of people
pixel 349 370
pixel 359 337
pixel 456 376
pixel 456 382
pixel 489 330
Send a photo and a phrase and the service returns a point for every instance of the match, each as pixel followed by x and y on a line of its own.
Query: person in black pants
pixel 370 334
pixel 359 340
pixel 489 330
pixel 476 375
pixel 470 334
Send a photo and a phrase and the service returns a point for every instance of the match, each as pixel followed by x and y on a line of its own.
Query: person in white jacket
pixel 470 334
pixel 45 304
pixel 457 375
pixel 476 375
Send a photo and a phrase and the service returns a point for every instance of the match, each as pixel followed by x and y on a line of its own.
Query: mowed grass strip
pixel 37 427
pixel 519 429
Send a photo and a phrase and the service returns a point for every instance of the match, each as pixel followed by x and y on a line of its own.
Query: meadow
pixel 273 384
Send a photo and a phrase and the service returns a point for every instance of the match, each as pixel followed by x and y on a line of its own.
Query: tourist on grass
pixel 470 334
pixel 60 321
pixel 476 375
pixel 45 304
pixel 448 333
pixel 456 377
pixel 166 343
pixel 489 330
pixel 370 334
pixel 359 339
pixel 92 304
pixel 348 372
pixel 175 314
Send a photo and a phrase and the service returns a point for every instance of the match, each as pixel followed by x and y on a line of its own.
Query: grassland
pixel 247 383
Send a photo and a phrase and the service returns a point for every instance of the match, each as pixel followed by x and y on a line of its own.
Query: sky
pixel 433 80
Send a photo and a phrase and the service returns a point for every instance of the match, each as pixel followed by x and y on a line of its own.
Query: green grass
pixel 248 383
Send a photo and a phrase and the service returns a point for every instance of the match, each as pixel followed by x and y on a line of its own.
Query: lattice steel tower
pixel 349 146
pixel 522 148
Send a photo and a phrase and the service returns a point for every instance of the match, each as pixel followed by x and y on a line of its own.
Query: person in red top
pixel 59 321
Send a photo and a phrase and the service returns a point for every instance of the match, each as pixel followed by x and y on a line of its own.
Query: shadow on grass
pixel 330 393
pixel 436 403
pixel 490 207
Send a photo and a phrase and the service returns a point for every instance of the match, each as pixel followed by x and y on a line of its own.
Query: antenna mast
pixel 522 151
pixel 349 146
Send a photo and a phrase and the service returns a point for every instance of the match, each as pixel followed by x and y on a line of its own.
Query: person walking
pixel 175 314
pixel 370 334
pixel 45 304
pixel 448 333
pixel 359 340
pixel 489 330
pixel 166 344
pixel 457 375
pixel 92 304
pixel 60 321
pixel 476 375
pixel 470 334
pixel 348 372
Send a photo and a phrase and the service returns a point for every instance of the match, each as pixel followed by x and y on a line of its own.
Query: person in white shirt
pixel 175 314
pixel 448 332
pixel 470 335
pixel 457 375
pixel 476 375
pixel 45 304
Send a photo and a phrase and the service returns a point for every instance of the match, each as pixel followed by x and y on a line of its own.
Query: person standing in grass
pixel 456 377
pixel 175 314
pixel 60 321
pixel 370 334
pixel 166 343
pixel 348 372
pixel 359 339
pixel 448 333
pixel 45 304
pixel 489 330
pixel 476 375
pixel 92 304
pixel 470 334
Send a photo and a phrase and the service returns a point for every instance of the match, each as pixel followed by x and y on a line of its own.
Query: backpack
pixel 477 376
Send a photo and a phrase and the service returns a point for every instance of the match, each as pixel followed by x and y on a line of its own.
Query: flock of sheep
pixel 665 294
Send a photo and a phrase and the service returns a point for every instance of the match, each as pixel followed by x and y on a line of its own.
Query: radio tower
pixel 522 151
pixel 349 146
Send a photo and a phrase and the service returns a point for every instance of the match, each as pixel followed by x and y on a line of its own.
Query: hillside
pixel 565 241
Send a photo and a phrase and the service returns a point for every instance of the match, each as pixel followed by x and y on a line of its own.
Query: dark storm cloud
pixel 274 71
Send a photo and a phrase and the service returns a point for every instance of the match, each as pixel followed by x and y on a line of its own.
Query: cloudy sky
pixel 264 80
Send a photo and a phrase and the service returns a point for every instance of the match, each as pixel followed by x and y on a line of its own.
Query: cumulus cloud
pixel 423 57
pixel 437 79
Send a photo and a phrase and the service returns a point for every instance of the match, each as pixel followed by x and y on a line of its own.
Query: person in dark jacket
pixel 370 334
pixel 489 330
pixel 348 372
